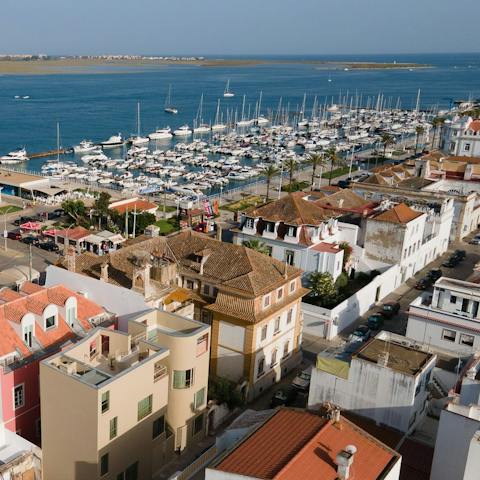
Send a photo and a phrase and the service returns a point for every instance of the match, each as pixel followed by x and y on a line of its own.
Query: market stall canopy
pixel 32 226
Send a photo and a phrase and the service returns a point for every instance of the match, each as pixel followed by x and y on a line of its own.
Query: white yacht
pixel 183 131
pixel 138 139
pixel 227 93
pixel 16 156
pixel 161 133
pixel 85 146
pixel 261 120
pixel 203 128
pixel 113 142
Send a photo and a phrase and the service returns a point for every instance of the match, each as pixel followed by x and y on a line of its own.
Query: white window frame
pixel 461 342
pixel 449 339
pixel 262 330
pixel 249 225
pixel 279 293
pixel 22 386
pixel 292 286
pixel 266 301
pixel 55 320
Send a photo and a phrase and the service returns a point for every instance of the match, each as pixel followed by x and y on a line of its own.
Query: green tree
pixel 437 122
pixel 387 140
pixel 291 165
pixel 322 288
pixel 347 252
pixel 269 171
pixel 315 160
pixel 257 245
pixel 75 209
pixel 102 203
pixel 419 130
pixel 332 156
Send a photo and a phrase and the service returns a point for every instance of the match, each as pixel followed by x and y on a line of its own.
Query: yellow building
pixel 117 405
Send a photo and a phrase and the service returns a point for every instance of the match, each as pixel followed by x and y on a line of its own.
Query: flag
pixel 207 207
pixel 216 210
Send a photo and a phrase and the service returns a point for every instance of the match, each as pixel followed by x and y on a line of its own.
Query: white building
pixel 449 319
pixel 408 236
pixel 461 137
pixel 299 232
pixel 457 447
pixel 386 381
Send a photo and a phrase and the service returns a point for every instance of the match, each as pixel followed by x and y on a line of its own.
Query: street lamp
pixel 66 241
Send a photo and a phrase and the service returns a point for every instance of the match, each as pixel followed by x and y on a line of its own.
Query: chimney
pixel 104 272
pixel 340 203
pixel 344 461
pixel 70 257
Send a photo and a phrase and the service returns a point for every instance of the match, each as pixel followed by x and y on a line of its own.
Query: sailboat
pixel 138 139
pixel 169 108
pixel 200 126
pixel 260 120
pixel 227 93
pixel 243 122
pixel 218 125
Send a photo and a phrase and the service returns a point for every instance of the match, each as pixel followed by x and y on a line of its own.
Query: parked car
pixel 36 219
pixel 14 235
pixel 21 220
pixel 435 274
pixel 48 246
pixel 390 309
pixel 375 321
pixel 475 240
pixel 30 240
pixel 56 214
pixel 424 283
pixel 451 262
pixel 343 183
pixel 460 254
pixel 302 380
pixel 283 396
pixel 361 334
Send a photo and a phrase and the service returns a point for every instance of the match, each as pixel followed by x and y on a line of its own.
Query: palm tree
pixel 258 246
pixel 269 172
pixel 436 123
pixel 291 166
pixel 331 154
pixel 387 140
pixel 419 130
pixel 315 160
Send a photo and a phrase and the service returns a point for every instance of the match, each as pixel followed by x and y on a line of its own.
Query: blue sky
pixel 233 27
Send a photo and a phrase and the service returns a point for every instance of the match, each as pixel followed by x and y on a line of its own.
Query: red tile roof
pixel 76 233
pixel 139 205
pixel 34 299
pixel 474 125
pixel 326 247
pixel 295 444
pixel 401 213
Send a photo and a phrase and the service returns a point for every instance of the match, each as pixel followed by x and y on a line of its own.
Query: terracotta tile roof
pixel 401 213
pixel 76 233
pixel 230 267
pixel 326 247
pixel 139 205
pixel 293 445
pixel 474 125
pixel 292 210
pixel 34 298
pixel 344 199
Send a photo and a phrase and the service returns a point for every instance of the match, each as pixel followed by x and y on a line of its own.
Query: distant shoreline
pixel 78 66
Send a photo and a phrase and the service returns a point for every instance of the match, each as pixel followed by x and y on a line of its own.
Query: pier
pixel 50 153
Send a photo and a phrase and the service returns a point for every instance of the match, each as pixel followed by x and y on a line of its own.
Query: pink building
pixel 35 323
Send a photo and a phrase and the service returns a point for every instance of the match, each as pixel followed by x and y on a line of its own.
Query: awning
pixel 333 366
pixel 33 226
pixel 179 295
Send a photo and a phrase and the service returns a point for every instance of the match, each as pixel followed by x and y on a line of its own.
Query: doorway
pixel 105 345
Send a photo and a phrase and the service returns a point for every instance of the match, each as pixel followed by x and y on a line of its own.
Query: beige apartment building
pixel 117 405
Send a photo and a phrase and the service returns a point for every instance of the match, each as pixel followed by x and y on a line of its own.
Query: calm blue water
pixel 94 106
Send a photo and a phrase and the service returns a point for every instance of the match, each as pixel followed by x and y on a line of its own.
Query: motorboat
pixel 85 146
pixel 161 134
pixel 204 128
pixel 138 139
pixel 262 120
pixel 16 156
pixel 114 141
pixel 183 131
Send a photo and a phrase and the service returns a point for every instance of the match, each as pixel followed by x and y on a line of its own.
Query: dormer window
pixel 50 322
pixel 266 301
pixel 249 223
pixel 270 227
pixel 292 231
pixel 28 335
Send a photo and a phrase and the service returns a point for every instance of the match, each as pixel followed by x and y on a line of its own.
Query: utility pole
pixel 134 220
pixel 126 223
pixel 30 262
